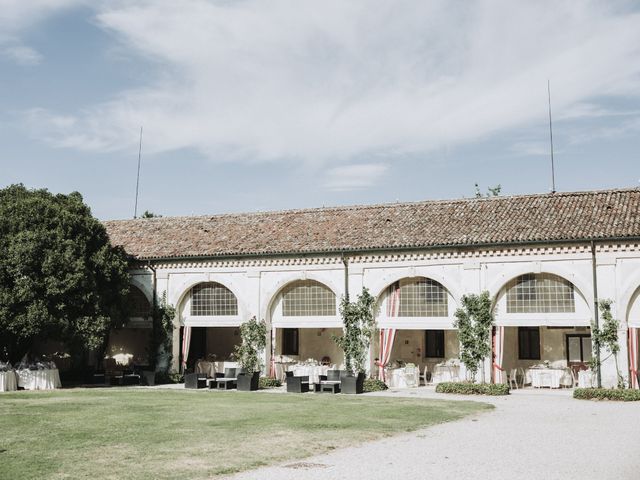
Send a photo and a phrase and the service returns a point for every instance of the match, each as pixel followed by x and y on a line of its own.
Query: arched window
pixel 308 298
pixel 213 299
pixel 540 293
pixel 422 297
pixel 139 306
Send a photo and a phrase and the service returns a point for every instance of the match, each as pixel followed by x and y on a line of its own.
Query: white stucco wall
pixel 257 283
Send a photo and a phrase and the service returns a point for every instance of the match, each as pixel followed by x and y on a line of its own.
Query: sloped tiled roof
pixel 606 214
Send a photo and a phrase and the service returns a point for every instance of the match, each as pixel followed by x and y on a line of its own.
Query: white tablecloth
pixel 585 379
pixel 206 367
pixel 39 379
pixel 445 373
pixel 311 371
pixel 546 377
pixel 8 382
pixel 400 378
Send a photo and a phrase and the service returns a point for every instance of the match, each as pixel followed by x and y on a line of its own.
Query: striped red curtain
pixel 498 354
pixel 388 335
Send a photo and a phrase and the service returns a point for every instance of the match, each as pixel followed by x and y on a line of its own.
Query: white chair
pixel 523 373
pixel 512 378
pixel 427 375
pixel 569 379
pixel 410 376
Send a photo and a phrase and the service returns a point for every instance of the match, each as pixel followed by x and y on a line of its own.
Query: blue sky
pixel 253 105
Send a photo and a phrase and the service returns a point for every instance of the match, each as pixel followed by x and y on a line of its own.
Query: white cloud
pixel 335 81
pixel 351 177
pixel 21 54
pixel 17 17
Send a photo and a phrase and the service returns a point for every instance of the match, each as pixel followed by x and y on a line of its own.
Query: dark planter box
pixel 195 380
pixel 352 384
pixel 247 383
pixel 149 377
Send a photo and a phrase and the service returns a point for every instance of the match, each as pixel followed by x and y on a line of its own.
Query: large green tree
pixel 60 278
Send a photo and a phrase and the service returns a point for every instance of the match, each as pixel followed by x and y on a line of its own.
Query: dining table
pixel 444 372
pixel 210 368
pixel 403 377
pixel 8 381
pixel 312 371
pixel 206 367
pixel 42 379
pixel 546 377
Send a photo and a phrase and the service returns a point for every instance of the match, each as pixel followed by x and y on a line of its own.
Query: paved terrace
pixel 530 435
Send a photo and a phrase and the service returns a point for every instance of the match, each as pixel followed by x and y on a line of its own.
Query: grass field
pixel 151 434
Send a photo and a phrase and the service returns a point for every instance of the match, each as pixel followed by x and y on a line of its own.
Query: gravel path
pixel 531 434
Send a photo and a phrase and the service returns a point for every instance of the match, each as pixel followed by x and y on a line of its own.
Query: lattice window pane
pixel 540 293
pixel 423 298
pixel 139 306
pixel 213 299
pixel 308 298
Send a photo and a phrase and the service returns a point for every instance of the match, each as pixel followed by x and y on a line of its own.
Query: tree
pixel 492 191
pixel 474 321
pixel 359 326
pixel 148 214
pixel 254 340
pixel 59 276
pixel 606 336
pixel 161 340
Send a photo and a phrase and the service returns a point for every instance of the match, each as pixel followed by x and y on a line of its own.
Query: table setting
pixel 546 376
pixel 403 377
pixel 310 368
pixel 38 375
pixel 448 371
pixel 8 381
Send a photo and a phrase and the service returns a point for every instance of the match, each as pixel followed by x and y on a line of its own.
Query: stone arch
pixel 180 294
pixel 496 287
pixel 272 293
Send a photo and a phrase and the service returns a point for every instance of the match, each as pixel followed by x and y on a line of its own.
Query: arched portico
pixel 415 317
pixel 303 314
pixel 209 314
pixel 542 320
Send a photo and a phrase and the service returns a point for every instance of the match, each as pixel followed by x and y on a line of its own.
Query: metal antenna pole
pixel 553 173
pixel 135 211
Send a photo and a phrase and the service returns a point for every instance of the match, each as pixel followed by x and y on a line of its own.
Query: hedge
pixel 374 385
pixel 616 394
pixel 268 382
pixel 466 388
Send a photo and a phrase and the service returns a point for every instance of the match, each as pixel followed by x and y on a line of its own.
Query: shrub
pixel 616 394
pixel 374 385
pixel 466 388
pixel 163 378
pixel 268 382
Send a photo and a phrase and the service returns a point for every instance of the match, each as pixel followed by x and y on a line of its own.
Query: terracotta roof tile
pixel 476 221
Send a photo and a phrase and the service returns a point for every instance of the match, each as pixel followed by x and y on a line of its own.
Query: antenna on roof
pixel 553 173
pixel 135 210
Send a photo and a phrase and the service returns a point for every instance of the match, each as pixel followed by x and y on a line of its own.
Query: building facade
pixel 544 259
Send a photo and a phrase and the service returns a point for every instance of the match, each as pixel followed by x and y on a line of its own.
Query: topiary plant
pixel 254 340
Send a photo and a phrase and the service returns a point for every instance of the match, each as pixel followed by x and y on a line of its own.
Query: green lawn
pixel 143 433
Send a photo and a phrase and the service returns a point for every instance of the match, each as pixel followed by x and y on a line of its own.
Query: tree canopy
pixel 60 278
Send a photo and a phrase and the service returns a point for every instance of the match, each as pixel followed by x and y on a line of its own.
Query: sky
pixel 248 105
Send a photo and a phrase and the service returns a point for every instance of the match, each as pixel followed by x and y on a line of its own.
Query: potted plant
pixel 359 326
pixel 254 340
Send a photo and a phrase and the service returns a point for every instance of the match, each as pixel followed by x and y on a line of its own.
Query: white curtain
pixel 186 342
pixel 498 353
pixel 388 335
pixel 633 357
